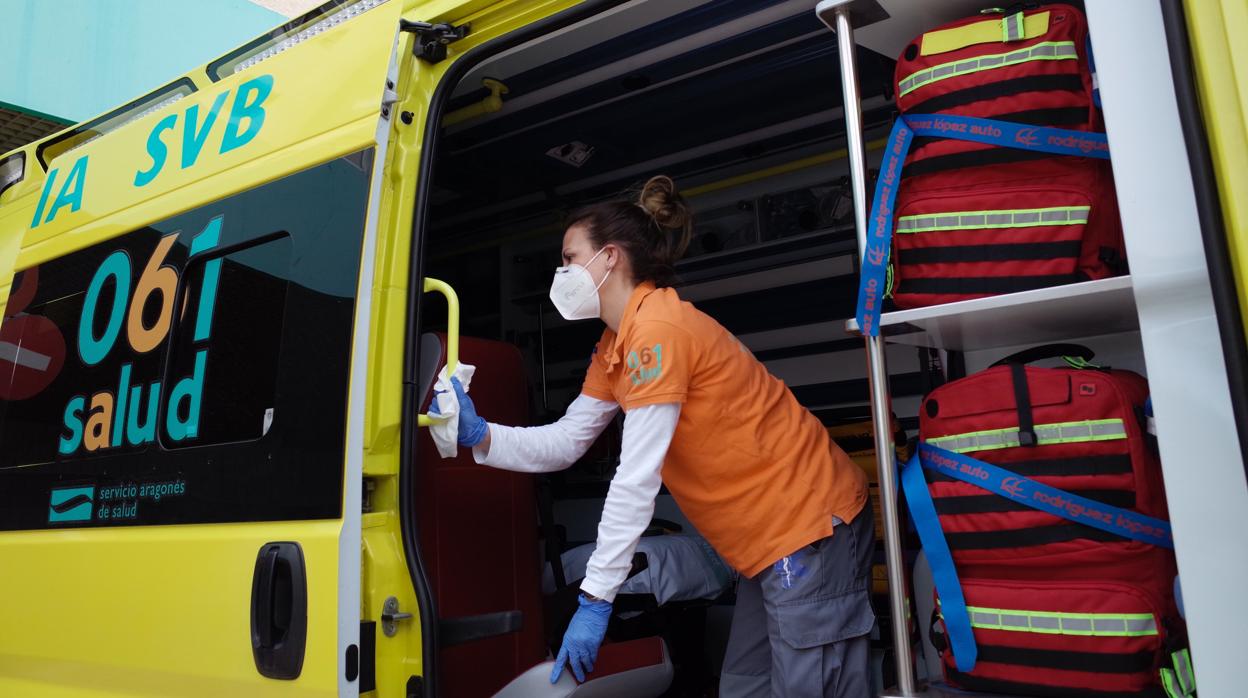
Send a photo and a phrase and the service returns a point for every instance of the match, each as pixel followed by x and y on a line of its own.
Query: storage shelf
pixel 1058 313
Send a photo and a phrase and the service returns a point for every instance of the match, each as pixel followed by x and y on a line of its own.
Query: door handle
pixel 279 610
pixel 452 336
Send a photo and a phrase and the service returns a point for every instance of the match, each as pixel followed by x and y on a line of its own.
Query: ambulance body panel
pixel 227 274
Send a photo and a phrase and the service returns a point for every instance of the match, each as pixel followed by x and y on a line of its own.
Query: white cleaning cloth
pixel 445 432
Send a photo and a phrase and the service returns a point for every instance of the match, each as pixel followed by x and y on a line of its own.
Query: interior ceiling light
pixel 574 153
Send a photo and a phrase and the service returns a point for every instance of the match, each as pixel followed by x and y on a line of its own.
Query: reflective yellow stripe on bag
pixel 1044 51
pixel 1058 433
pixel 1056 623
pixel 1010 218
pixel 1183 667
pixel 989 31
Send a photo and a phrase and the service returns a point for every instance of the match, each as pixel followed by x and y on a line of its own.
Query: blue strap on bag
pixel 1057 141
pixel 999 481
pixel 1128 524
pixel 940 559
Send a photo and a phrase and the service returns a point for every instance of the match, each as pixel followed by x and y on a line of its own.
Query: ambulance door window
pixel 192 370
pixel 231 329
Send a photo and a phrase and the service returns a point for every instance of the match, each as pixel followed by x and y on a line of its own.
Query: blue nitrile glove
pixel 584 636
pixel 472 429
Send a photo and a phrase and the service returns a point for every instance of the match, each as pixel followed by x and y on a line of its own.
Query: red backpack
pixel 976 220
pixel 1057 608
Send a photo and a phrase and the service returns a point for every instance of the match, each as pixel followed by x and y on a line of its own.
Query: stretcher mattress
pixel 680 568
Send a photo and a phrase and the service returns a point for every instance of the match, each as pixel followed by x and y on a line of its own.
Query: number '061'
pixel 127 414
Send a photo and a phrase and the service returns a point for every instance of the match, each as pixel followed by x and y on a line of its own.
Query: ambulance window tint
pixel 114 419
pixel 32 356
pixel 84 357
pixel 223 365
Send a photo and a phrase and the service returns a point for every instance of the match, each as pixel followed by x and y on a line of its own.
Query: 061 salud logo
pixel 646 365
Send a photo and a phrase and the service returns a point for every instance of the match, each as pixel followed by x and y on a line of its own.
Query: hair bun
pixel 652 225
pixel 659 199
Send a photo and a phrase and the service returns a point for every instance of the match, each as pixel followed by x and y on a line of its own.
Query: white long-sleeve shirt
pixel 629 507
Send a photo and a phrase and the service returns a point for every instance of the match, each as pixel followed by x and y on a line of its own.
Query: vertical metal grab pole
pixel 877 369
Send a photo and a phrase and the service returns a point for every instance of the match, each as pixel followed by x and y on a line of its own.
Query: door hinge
pixel 390 617
pixel 432 39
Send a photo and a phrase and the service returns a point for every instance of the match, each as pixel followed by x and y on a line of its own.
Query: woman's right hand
pixel 472 428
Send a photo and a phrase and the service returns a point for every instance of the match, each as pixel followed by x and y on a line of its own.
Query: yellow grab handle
pixel 452 336
pixel 491 103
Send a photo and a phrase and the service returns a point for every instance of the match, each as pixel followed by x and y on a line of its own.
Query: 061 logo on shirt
pixel 646 365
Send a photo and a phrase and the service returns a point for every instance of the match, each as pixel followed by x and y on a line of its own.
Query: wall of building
pixel 74 59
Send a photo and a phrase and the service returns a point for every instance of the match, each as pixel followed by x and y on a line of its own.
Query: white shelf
pixel 1058 313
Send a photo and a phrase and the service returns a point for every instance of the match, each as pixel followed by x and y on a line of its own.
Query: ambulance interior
pixel 740 102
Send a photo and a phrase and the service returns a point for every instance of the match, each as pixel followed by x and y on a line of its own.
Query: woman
pixel 751 468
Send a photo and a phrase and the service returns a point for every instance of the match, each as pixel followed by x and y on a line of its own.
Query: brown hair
pixel 653 227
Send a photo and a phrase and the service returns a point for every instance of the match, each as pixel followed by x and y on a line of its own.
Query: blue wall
pixel 74 59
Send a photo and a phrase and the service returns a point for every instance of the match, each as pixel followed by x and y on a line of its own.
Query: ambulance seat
pixel 624 669
pixel 479 540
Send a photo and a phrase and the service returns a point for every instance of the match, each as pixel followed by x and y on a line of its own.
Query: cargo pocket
pixel 823 620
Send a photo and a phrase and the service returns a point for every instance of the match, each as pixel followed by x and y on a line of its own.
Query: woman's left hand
pixel 583 638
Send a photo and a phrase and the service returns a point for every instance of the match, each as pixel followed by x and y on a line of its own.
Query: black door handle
pixel 279 610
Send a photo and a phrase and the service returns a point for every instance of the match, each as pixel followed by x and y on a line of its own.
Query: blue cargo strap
pixel 940 559
pixel 1005 134
pixel 1024 490
pixel 1050 500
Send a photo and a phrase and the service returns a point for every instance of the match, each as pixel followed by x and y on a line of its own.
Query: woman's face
pixel 579 249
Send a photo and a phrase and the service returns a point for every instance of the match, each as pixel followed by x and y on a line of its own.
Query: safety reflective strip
pixel 1171 684
pixel 1079 362
pixel 986 32
pixel 1183 668
pixel 1052 623
pixel 1012 27
pixel 978 220
pixel 1059 433
pixel 1044 51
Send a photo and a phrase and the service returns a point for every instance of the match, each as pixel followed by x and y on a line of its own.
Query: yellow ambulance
pixel 224 302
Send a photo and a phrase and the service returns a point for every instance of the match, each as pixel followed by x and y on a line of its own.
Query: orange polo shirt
pixel 753 470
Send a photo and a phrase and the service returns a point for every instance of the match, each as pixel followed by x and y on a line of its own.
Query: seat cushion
pixel 634 669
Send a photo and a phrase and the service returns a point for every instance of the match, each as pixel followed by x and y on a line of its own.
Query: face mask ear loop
pixel 591 259
pixel 604 276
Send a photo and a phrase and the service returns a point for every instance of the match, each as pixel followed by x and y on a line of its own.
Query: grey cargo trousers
pixel 800 628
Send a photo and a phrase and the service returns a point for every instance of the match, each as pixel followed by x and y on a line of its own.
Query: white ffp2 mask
pixel 574 293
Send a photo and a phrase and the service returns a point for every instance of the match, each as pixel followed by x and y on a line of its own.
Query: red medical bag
pixel 976 220
pixel 1057 608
